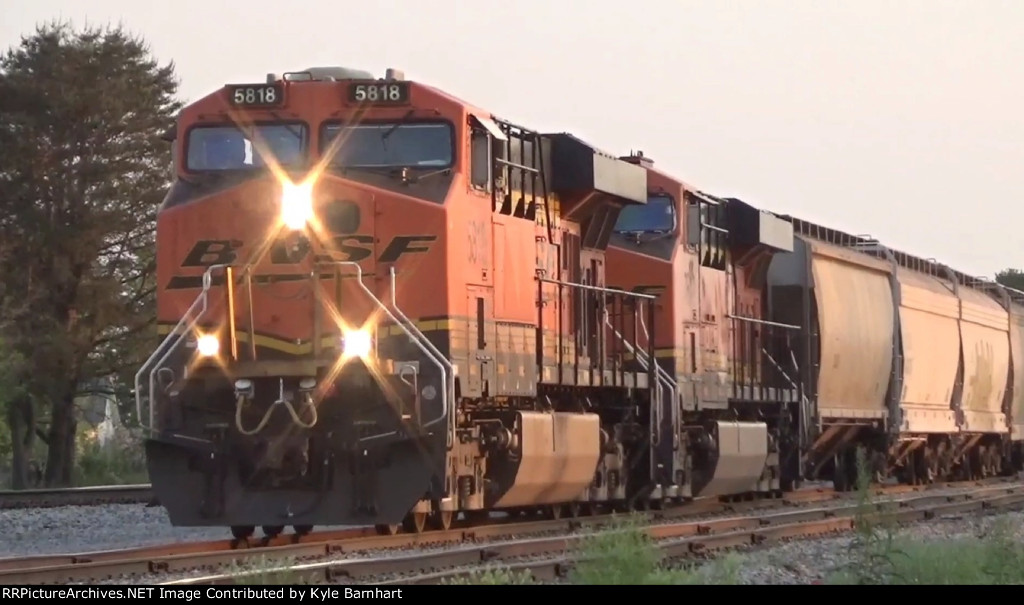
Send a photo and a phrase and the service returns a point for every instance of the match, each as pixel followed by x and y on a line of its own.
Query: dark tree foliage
pixel 1011 278
pixel 82 172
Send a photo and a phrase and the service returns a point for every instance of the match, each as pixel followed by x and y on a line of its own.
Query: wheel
pixel 554 512
pixel 302 530
pixel 573 509
pixel 442 519
pixel 272 531
pixel 415 522
pixel 387 530
pixel 241 532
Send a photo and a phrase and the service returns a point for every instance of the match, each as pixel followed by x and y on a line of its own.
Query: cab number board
pixel 256 95
pixel 379 93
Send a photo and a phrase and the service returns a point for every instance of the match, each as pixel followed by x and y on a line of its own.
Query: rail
pixel 76 496
pixel 415 336
pixel 663 377
pixel 756 344
pixel 589 305
pixel 447 382
pixel 154 365
pixel 164 350
pixel 686 529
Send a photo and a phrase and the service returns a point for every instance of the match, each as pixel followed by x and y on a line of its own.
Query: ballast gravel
pixel 814 560
pixel 77 529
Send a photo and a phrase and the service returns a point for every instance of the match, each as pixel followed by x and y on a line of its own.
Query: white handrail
pixel 157 359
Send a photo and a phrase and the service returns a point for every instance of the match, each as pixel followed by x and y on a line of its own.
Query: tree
pixel 18 414
pixel 82 172
pixel 1011 278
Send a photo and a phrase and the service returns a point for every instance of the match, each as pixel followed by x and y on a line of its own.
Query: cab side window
pixel 480 160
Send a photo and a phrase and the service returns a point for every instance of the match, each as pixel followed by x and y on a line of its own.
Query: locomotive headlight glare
pixel 296 204
pixel 208 345
pixel 358 343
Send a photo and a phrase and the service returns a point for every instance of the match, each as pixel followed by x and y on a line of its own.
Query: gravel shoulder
pixel 810 561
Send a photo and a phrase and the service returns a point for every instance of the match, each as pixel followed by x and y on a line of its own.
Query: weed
pixel 873 543
pixel 261 572
pixel 880 557
pixel 493 576
pixel 626 555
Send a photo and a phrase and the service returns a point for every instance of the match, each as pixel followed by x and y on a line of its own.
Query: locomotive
pixel 382 305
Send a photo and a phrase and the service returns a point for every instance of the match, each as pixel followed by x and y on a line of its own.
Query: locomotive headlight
pixel 208 345
pixel 296 204
pixel 358 343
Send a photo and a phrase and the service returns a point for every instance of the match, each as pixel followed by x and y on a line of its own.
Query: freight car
pixel 921 365
pixel 383 305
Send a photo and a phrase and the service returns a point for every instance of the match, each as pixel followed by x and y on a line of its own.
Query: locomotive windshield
pixel 231 148
pixel 391 144
pixel 658 215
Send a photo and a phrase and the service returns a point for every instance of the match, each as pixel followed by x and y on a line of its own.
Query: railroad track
pixel 76 496
pixel 550 558
pixel 150 564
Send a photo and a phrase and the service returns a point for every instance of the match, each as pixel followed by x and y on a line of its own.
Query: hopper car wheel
pixel 242 532
pixel 442 519
pixel 573 509
pixel 302 530
pixel 553 512
pixel 387 530
pixel 415 522
pixel 272 531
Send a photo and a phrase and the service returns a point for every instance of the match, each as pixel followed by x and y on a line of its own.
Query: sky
pixel 901 119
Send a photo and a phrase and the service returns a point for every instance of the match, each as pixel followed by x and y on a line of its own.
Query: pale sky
pixel 899 119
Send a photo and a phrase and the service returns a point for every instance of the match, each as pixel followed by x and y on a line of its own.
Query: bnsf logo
pixel 353 248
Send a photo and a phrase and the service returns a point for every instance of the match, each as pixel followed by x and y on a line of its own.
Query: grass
pixel 623 554
pixel 881 556
pixel 263 572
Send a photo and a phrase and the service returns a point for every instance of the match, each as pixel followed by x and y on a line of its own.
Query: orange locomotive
pixel 381 305
pixel 733 395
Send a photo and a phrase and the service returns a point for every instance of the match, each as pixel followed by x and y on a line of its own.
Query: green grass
pixel 881 556
pixel 622 554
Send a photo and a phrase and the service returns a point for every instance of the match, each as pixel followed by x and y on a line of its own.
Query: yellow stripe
pixel 287 346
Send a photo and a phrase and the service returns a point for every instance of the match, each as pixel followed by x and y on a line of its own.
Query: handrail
pixel 597 288
pixel 439 358
pixel 202 299
pixel 661 375
pixel 658 370
pixel 425 350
